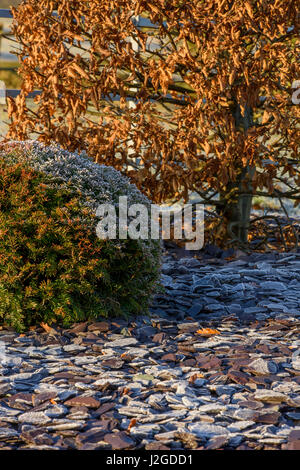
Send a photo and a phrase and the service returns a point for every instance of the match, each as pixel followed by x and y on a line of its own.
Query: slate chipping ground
pixel 154 382
pixel 81 388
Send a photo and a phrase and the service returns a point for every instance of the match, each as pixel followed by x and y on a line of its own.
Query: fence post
pixel 131 104
pixel 2 92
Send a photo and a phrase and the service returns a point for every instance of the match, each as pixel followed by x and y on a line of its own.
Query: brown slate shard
pixel 43 397
pixel 89 402
pixel 37 437
pixel 208 362
pixel 253 405
pixel 79 328
pixel 20 399
pixel 237 364
pixel 63 375
pixel 268 418
pixel 214 363
pixel 101 445
pixel 170 357
pixel 188 327
pixel 243 447
pixel 189 363
pixel 264 348
pixel 284 349
pixel 294 435
pixel 112 363
pixel 202 360
pixel 292 445
pixel 104 409
pixel 90 338
pixel 83 380
pixel 260 380
pixel 119 440
pixel 78 409
pixel 156 446
pixel 216 442
pixel 159 338
pixel 92 436
pixel 185 348
pixel 101 326
pixel 238 377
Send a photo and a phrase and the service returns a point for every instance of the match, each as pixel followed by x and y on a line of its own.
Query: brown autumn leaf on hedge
pixel 47 328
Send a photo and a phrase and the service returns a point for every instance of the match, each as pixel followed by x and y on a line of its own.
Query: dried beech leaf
pixel 207 332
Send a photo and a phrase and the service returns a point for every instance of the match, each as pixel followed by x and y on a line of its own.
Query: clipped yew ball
pixel 53 267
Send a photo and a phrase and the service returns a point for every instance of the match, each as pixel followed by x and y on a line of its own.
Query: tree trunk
pixel 237 211
pixel 238 193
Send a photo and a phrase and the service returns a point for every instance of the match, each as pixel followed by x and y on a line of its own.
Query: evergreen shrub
pixel 53 267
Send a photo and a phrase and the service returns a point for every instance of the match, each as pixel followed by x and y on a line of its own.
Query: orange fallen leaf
pixel 208 332
pixel 131 424
pixel 53 401
pixel 126 357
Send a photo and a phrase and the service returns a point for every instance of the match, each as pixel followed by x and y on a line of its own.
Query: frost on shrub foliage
pixel 53 267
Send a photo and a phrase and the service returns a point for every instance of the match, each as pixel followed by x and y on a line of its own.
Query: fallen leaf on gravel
pixel 131 424
pixel 208 332
pixel 127 357
pixel 47 328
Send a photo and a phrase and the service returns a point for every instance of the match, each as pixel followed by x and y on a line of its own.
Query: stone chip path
pixel 156 382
